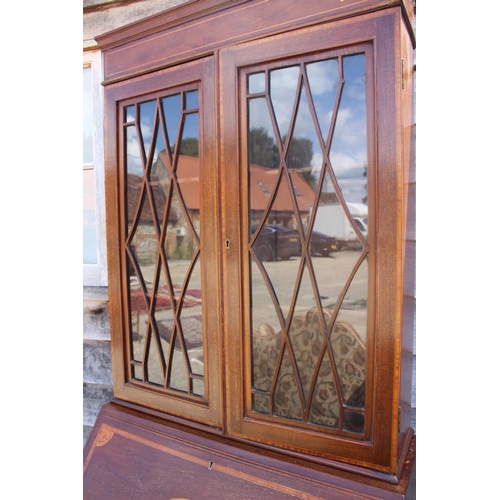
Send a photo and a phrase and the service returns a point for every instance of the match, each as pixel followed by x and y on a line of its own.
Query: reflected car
pixel 276 242
pixel 324 245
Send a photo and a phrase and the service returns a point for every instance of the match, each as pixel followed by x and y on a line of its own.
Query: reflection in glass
pixel 262 147
pixel 133 159
pixel 163 251
pixel 279 240
pixel 171 106
pixel 306 346
pixel 189 142
pixel 323 80
pixel 129 114
pixel 325 405
pixel 191 100
pixel 354 304
pixel 261 403
pixel 354 422
pixel 160 182
pixel 348 155
pixel 283 90
pixel 155 366
pixel 147 113
pixel 286 401
pixel 256 83
pixel 304 155
pixel 137 372
pixel 177 371
pixel 308 253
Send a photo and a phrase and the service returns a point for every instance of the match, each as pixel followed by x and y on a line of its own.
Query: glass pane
pixel 309 285
pixel 261 403
pixel 348 155
pixel 137 372
pixel 89 222
pixel 163 250
pixel 129 114
pixel 306 334
pixel 191 100
pixel 88 117
pixel 304 157
pixel 354 422
pixel 155 363
pixel 265 319
pixel 324 81
pixel 256 83
pixel 147 112
pixel 178 377
pixel 172 112
pixel 353 309
pixel 134 157
pixel 283 90
pixel 190 134
pixel 287 402
pixel 138 319
pixel 262 147
pixel 325 406
pixel 159 179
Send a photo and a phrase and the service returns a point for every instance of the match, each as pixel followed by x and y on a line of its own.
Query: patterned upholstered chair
pixel 306 340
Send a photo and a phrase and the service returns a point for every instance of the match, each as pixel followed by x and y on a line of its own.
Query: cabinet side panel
pixel 409 254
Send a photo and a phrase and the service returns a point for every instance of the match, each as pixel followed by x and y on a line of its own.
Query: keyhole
pixel 210 465
pixel 227 244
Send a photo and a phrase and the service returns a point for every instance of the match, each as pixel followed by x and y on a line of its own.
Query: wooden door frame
pixel 378 32
pixel 201 71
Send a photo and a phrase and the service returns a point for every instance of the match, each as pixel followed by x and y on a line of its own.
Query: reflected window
pixel 89 219
pixel 95 271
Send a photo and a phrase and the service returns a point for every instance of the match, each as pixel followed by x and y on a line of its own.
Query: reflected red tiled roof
pixel 262 184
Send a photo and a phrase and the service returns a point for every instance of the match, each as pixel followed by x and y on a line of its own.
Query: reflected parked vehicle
pixel 324 245
pixel 276 242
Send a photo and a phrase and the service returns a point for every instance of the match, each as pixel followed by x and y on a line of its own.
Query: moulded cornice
pixel 189 11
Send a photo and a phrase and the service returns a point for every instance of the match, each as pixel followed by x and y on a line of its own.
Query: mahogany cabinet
pixel 260 224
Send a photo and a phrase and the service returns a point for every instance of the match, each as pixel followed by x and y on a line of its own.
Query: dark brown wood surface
pixel 378 450
pixel 199 28
pixel 208 42
pixel 132 456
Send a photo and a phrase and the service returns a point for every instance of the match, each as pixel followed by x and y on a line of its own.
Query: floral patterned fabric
pixel 305 346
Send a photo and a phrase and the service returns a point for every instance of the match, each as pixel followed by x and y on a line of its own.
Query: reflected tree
pixel 189 147
pixel 263 150
pixel 300 152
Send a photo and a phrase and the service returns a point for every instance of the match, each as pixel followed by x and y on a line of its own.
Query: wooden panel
pixel 191 31
pixel 132 456
pixel 409 245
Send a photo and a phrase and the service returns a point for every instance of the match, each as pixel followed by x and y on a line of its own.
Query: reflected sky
pixel 348 153
pixel 171 107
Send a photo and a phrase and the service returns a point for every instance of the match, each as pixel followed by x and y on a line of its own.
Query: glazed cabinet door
pixel 165 187
pixel 301 285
